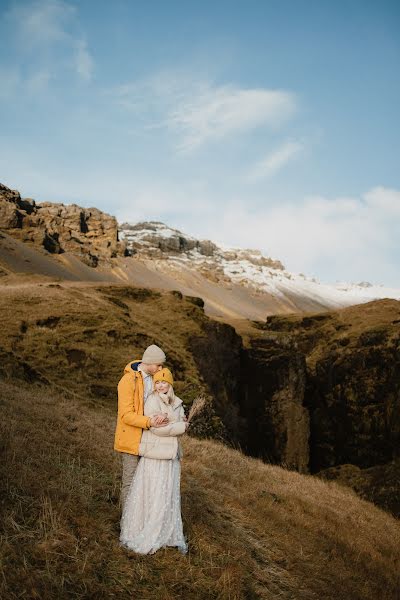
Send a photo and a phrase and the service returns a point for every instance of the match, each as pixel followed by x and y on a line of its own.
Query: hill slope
pixel 254 530
pixel 308 392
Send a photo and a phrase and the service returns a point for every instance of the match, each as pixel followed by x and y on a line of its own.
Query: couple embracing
pixel 150 420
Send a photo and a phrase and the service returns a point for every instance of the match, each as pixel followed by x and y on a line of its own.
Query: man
pixel 134 387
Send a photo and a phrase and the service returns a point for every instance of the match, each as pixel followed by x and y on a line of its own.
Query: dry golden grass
pixel 345 329
pixel 80 336
pixel 255 530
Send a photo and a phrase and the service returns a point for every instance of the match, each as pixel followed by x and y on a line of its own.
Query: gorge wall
pixel 272 401
pixel 311 392
pixel 353 383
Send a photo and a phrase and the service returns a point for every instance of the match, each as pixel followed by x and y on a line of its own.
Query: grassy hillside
pixel 346 329
pixel 80 336
pixel 254 530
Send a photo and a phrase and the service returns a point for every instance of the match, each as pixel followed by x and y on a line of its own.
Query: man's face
pixel 151 369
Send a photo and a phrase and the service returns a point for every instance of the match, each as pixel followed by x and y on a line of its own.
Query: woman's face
pixel 162 386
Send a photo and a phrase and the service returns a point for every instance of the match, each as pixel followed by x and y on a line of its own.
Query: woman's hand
pixel 159 420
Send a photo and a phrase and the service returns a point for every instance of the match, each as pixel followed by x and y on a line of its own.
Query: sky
pixel 269 124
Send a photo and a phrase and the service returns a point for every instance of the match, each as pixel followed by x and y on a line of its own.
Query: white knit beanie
pixel 153 355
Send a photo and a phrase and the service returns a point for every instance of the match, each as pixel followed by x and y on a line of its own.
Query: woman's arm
pixel 173 429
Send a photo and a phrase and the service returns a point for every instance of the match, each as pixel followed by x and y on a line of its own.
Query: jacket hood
pixel 132 366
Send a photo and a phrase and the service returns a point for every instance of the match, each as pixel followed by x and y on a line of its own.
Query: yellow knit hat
pixel 164 375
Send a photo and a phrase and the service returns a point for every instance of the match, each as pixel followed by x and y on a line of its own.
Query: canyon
pixel 313 390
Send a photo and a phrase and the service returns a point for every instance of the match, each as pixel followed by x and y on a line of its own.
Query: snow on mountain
pixel 248 268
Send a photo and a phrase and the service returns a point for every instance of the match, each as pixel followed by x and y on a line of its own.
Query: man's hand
pixel 159 420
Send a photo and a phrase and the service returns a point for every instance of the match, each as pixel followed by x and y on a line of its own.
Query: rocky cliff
pixel 155 239
pixel 352 387
pixel 87 232
pixel 273 381
pixel 314 391
pixel 322 393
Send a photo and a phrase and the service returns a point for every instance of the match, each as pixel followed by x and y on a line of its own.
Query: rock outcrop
pixel 218 353
pixel 153 239
pixel 86 232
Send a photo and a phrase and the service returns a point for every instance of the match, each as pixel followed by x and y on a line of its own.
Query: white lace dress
pixel 152 515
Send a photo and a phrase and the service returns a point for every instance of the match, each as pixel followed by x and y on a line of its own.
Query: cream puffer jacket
pixel 162 442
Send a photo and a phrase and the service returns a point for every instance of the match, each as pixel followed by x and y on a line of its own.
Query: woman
pixel 152 515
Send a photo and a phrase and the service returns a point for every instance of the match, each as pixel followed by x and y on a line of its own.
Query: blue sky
pixel 268 124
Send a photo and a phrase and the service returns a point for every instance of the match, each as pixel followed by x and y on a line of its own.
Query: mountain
pixel 79 244
pixel 267 283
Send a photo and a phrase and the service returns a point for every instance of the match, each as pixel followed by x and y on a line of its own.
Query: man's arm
pixel 126 390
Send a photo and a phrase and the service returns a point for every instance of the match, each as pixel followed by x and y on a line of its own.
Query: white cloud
pixel 83 60
pixel 276 160
pixel 220 111
pixel 346 238
pixel 349 239
pixel 38 81
pixel 384 201
pixel 41 22
pixel 10 78
pixel 48 24
pixel 198 112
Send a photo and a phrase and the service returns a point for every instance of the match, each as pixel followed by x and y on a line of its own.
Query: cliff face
pixel 217 352
pixel 87 232
pixel 379 484
pixel 354 400
pixel 273 396
pixel 348 363
pixel 311 392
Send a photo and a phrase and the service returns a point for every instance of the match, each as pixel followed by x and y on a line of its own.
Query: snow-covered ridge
pixel 248 268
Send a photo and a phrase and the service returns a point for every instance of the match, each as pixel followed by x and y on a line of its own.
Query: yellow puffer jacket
pixel 130 419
